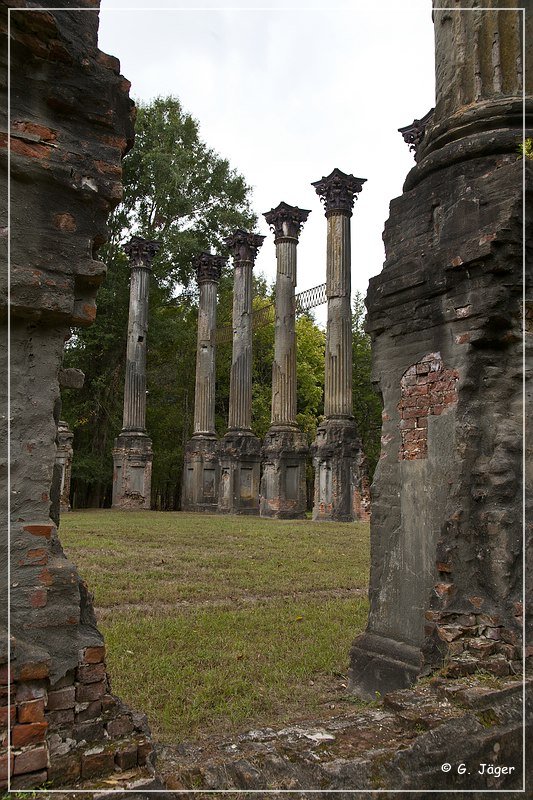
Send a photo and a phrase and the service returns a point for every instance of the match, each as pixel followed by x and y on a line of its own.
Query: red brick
pixel 46 577
pixel 31 761
pixel 30 780
pixel 33 129
pixel 92 711
pixel 61 699
pixel 60 719
pixel 121 726
pixel 3 716
pixel 33 733
pixel 67 768
pixel 38 598
pixel 91 673
pixel 92 655
pixel 7 692
pixel 4 678
pixel 65 222
pixel 30 691
pixel 127 758
pixel 33 671
pixel 444 589
pixel 143 752
pixel 94 764
pixel 40 530
pixel 31 711
pixel 4 765
pixel 86 693
pixel 108 702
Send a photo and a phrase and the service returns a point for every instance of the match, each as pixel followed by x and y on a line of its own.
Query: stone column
pixel 446 321
pixel 337 453
pixel 201 473
pixel 132 454
pixel 283 488
pixel 63 461
pixel 240 450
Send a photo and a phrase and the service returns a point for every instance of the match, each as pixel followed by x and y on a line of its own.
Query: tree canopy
pixel 182 193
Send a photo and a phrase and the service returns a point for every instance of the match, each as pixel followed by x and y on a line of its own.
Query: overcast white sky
pixel 287 91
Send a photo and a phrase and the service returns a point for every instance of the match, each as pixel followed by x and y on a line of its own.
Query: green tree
pixel 182 193
pixel 366 402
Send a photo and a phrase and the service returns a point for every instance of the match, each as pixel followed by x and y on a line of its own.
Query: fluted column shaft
pixel 204 397
pixel 478 53
pixel 338 377
pixel 134 414
pixel 284 366
pixel 244 246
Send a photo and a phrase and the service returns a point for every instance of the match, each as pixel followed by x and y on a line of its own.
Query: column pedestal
pixel 239 457
pixel 337 455
pixel 132 471
pixel 201 474
pixel 283 485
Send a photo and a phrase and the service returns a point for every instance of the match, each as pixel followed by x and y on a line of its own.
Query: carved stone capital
pixel 141 251
pixel 209 267
pixel 244 245
pixel 286 221
pixel 338 191
pixel 414 133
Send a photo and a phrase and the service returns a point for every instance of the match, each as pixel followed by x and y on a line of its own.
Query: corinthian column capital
pixel 141 251
pixel 209 267
pixel 286 221
pixel 338 191
pixel 243 245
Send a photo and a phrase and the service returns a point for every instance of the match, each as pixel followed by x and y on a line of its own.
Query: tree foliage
pixel 179 191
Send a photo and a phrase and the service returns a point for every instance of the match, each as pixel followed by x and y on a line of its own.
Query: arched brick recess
pixel 427 388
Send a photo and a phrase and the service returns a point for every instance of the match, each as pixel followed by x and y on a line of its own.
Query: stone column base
pixel 380 664
pixel 132 471
pixel 283 485
pixel 201 474
pixel 337 459
pixel 239 454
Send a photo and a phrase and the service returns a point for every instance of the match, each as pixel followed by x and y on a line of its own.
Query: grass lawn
pixel 218 623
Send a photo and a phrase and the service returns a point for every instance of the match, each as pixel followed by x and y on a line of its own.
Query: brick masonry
pixel 427 388
pixel 72 122
pixel 69 730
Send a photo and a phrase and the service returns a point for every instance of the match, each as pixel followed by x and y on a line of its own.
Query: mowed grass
pixel 218 623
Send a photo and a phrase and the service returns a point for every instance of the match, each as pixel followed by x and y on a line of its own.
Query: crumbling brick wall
pixel 426 388
pixel 71 123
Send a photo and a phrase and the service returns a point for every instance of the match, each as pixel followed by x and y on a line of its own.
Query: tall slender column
pixel 63 461
pixel 337 449
pixel 132 454
pixel 240 450
pixel 201 473
pixel 283 487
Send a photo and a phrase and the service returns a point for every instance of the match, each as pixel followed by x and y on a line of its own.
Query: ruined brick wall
pixel 445 317
pixel 71 123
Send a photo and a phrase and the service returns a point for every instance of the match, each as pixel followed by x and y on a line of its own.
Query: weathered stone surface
pixel 399 746
pixel 337 450
pixel 285 451
pixel 239 452
pixel 71 123
pixel 201 471
pixel 132 454
pixel 64 455
pixel 446 324
pixel 239 460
